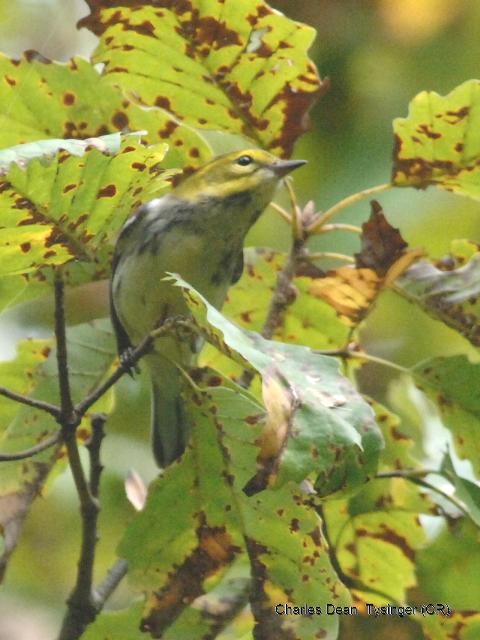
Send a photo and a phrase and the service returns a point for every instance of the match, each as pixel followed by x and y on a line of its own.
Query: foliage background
pixel 378 54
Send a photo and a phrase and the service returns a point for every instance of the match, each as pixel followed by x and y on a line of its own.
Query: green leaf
pixel 17 289
pixel 462 625
pixel 121 625
pixel 376 534
pixel 452 383
pixel 448 289
pixel 91 352
pixel 316 421
pixel 237 67
pixel 69 208
pixel 439 580
pixel 308 320
pixel 179 548
pixel 466 490
pixel 45 99
pixel 438 143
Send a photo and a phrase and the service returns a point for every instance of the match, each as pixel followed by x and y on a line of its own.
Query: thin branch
pixel 218 612
pixel 82 608
pixel 340 226
pixel 282 296
pixel 297 222
pixel 362 355
pixel 38 448
pixel 62 356
pixel 127 363
pixel 348 581
pixel 284 214
pixel 93 447
pixel 416 477
pixel 328 255
pixel 31 402
pixel 320 222
pixel 110 583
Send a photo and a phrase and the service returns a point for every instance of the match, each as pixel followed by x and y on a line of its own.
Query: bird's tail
pixel 169 419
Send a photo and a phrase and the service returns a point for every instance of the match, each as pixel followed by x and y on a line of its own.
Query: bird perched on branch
pixel 197 230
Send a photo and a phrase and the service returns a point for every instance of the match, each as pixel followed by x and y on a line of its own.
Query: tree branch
pixel 113 578
pixel 416 476
pixel 317 225
pixel 66 404
pixel 28 453
pixel 31 402
pixel 82 608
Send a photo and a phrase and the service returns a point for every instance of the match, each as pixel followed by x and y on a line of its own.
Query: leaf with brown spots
pixel 330 430
pixel 308 320
pixel 352 291
pixel 275 534
pixel 437 144
pixel 376 536
pixel 236 67
pixel 45 99
pixel 91 353
pixel 461 625
pixel 453 384
pixel 68 208
pixel 448 289
pixel 221 608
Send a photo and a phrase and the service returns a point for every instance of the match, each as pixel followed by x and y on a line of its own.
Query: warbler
pixel 197 230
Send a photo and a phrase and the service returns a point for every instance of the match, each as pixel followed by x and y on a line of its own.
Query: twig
pixel 218 612
pixel 125 366
pixel 416 477
pixel 317 225
pixel 93 446
pixel 66 403
pixel 328 255
pixel 348 581
pixel 28 453
pixel 340 226
pixel 285 215
pixel 282 296
pixel 31 402
pixel 362 355
pixel 110 583
pixel 82 608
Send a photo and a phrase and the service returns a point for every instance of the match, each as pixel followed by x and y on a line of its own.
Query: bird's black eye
pixel 244 161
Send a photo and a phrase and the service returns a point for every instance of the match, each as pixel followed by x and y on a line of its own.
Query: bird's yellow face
pixel 251 171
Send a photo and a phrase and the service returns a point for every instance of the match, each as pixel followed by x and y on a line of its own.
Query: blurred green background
pixel 378 55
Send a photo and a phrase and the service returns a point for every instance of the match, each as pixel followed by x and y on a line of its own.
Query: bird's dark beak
pixel 282 167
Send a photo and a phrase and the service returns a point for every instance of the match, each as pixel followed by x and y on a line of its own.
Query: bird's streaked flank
pixel 197 230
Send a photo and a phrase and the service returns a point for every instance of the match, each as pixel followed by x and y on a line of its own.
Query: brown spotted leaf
pixel 44 99
pixel 448 289
pixel 377 532
pixel 233 66
pixel 323 425
pixel 308 320
pixel 179 549
pixel 460 625
pixel 69 208
pixel 438 143
pixel 352 291
pixel 91 355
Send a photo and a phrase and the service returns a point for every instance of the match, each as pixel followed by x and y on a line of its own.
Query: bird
pixel 197 230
